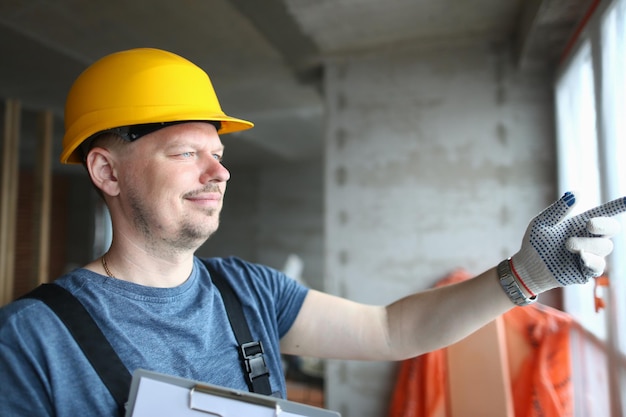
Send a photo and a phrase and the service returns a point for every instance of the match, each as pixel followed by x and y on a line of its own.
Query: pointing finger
pixel 609 209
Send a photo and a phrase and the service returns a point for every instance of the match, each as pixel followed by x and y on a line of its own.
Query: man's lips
pixel 208 199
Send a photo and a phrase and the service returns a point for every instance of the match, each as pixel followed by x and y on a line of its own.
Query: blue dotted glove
pixel 556 251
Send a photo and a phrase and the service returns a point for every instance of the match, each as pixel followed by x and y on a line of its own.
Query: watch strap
pixel 511 286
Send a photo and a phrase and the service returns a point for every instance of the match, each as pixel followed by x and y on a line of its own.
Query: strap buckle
pixel 252 354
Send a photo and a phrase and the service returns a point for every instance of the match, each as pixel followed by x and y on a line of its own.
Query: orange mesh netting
pixel 539 352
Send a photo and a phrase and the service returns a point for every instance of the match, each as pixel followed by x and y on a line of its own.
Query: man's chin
pixel 193 238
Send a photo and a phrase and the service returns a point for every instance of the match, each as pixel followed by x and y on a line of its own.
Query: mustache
pixel 211 188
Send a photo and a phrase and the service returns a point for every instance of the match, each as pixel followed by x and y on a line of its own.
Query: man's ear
pixel 101 170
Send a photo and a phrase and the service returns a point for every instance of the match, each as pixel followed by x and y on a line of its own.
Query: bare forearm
pixel 333 327
pixel 437 318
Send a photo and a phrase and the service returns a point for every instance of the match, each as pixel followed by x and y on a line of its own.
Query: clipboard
pixel 154 394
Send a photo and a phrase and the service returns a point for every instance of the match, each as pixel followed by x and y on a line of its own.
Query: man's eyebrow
pixel 180 142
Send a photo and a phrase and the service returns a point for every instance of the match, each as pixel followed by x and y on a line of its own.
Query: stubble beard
pixel 189 235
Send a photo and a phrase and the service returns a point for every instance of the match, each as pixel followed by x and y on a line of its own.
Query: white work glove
pixel 556 251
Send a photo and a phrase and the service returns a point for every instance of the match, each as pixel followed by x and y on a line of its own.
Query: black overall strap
pixel 89 337
pixel 250 351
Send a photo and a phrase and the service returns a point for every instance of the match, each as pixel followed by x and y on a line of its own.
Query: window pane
pixel 578 166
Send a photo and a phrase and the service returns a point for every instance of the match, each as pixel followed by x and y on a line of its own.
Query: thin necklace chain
pixel 106 267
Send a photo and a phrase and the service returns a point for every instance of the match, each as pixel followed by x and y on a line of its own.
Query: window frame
pixel 609 351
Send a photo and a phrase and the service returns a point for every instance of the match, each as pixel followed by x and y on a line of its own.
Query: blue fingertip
pixel 569 198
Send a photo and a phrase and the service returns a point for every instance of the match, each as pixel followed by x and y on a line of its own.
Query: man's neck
pixel 143 268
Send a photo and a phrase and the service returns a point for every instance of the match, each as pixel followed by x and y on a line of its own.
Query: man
pixel 146 125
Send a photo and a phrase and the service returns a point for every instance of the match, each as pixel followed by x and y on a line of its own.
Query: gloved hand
pixel 556 251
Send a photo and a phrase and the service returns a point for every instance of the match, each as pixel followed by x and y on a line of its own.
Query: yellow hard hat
pixel 139 86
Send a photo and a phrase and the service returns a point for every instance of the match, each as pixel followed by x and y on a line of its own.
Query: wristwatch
pixel 510 285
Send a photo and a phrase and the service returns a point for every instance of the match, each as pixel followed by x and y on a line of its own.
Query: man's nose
pixel 215 172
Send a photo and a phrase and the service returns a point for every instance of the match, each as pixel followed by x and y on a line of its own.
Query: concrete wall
pixel 435 159
pixel 292 218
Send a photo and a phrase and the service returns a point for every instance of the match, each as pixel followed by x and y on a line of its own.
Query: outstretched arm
pixel 555 252
pixel 333 327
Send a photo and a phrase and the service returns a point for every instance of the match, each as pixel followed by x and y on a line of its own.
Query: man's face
pixel 172 185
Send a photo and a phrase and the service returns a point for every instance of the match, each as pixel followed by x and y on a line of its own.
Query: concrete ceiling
pixel 264 56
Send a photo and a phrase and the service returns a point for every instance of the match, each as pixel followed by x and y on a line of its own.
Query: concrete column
pixel 436 158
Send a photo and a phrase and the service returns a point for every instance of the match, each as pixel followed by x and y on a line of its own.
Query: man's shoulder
pixel 27 310
pixel 25 316
pixel 252 277
pixel 20 307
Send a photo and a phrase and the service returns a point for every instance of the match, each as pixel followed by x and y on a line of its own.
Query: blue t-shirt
pixel 182 331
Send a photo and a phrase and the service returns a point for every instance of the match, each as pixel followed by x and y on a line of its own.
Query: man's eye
pixel 186 155
pixel 218 157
